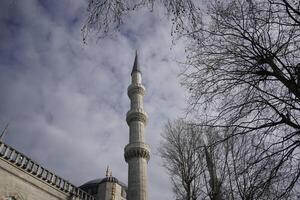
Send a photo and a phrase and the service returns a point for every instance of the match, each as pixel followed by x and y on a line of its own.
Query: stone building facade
pixel 22 178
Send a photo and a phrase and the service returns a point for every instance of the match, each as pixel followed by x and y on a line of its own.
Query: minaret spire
pixel 108 172
pixel 3 132
pixel 137 152
pixel 136 66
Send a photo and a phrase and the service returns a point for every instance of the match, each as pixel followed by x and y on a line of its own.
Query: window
pixel 10 198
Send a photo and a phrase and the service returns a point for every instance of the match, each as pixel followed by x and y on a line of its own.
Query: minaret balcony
pixel 136 88
pixel 136 115
pixel 137 150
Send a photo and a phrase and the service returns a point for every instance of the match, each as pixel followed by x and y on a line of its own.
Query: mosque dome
pixel 108 179
pixel 92 187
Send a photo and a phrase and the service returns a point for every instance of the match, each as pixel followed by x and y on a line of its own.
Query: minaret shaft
pixel 136 132
pixel 137 153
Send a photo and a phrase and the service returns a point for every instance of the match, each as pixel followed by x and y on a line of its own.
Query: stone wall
pixel 24 179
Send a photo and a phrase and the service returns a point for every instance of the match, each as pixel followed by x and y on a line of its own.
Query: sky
pixel 66 101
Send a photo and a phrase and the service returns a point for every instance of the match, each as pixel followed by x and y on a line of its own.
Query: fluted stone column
pixel 137 152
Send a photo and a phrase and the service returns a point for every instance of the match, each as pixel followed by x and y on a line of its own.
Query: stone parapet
pixel 28 166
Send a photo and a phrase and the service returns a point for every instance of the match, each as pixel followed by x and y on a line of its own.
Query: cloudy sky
pixel 66 101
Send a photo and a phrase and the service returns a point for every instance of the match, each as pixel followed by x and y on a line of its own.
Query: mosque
pixel 21 178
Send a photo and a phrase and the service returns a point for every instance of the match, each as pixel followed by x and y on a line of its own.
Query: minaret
pixel 137 152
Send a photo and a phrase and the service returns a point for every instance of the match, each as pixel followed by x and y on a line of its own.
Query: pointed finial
pixel 107 171
pixel 136 66
pixel 3 132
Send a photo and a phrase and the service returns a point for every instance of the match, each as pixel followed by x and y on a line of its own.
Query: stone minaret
pixel 137 152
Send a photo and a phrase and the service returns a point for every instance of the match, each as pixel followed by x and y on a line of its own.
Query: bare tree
pixel 292 8
pixel 199 169
pixel 191 162
pixel 246 178
pixel 106 16
pixel 180 155
pixel 243 71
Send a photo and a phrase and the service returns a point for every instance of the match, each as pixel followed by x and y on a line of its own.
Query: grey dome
pixel 98 181
pixel 92 182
